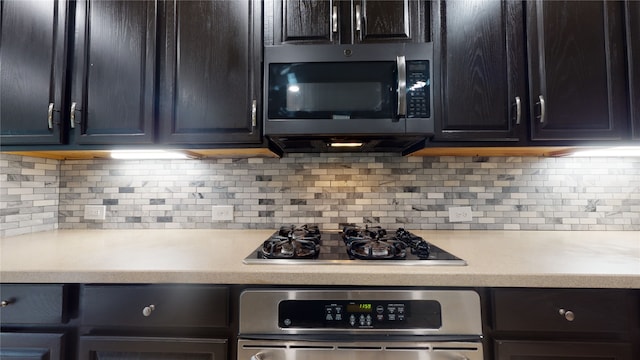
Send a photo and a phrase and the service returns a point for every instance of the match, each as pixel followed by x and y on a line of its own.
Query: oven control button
pixel 400 317
pixel 392 317
pixel 338 317
pixel 368 320
pixel 352 320
pixel 380 317
pixel 362 320
pixel 379 309
pixel 400 309
pixel 338 309
pixel 391 309
pixel 329 317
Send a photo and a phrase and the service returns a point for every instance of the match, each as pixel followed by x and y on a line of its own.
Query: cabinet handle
pixel 543 108
pixel 72 116
pixel 148 310
pixel 402 85
pixel 5 303
pixel 256 357
pixel 518 110
pixel 50 116
pixel 567 314
pixel 358 18
pixel 254 113
pixel 334 18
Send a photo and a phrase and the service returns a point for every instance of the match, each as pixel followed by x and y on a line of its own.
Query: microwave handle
pixel 401 65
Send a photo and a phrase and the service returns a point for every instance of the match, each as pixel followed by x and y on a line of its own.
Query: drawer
pixel 33 304
pixel 138 348
pixel 563 310
pixel 155 305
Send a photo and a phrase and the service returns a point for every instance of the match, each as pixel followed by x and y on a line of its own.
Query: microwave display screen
pixel 346 90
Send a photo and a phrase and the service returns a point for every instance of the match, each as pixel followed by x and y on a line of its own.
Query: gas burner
pixel 418 246
pixel 293 243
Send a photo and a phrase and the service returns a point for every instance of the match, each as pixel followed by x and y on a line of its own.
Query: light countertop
pixel 568 259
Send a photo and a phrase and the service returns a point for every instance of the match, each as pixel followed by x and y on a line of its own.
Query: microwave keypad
pixel 418 87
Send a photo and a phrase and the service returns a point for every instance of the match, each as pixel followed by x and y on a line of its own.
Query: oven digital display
pixel 360 308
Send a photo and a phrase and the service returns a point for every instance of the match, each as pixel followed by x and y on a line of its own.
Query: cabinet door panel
pixel 149 348
pixel 210 66
pixel 633 53
pixel 391 20
pixel 577 68
pixel 114 72
pixel 481 62
pixel 31 77
pixel 547 350
pixel 304 21
pixel 31 346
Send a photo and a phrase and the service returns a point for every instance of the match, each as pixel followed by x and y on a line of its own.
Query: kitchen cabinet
pixel 576 70
pixel 33 318
pixel 564 324
pixel 632 12
pixel 346 21
pixel 32 77
pixel 480 71
pixel 154 321
pixel 210 72
pixel 113 94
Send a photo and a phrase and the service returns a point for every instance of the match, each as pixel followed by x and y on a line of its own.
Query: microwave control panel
pixel 418 89
pixel 320 314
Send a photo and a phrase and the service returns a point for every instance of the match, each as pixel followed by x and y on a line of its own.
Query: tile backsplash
pixel 504 193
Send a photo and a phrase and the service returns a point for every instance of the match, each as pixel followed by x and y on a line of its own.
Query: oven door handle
pixel 401 66
pixel 257 356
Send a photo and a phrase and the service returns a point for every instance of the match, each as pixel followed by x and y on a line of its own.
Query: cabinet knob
pixel 567 314
pixel 5 303
pixel 148 310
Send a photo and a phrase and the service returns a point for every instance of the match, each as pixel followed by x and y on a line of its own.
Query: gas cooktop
pixel 353 245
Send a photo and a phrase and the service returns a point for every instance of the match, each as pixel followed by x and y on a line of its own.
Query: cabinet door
pixel 391 21
pixel 546 350
pixel 633 53
pixel 114 72
pixel 480 62
pixel 303 21
pixel 32 54
pixel 211 72
pixel 31 346
pixel 148 348
pixel 576 70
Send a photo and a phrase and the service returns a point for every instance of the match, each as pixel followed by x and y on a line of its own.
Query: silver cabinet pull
pixel 148 310
pixel 402 85
pixel 5 303
pixel 518 110
pixel 567 314
pixel 358 18
pixel 256 357
pixel 334 18
pixel 254 113
pixel 50 116
pixel 543 108
pixel 72 116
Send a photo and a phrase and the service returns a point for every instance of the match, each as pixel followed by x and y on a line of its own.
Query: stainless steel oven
pixel 346 324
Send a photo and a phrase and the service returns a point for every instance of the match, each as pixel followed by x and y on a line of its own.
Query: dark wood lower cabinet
pixel 560 350
pixel 27 346
pixel 151 348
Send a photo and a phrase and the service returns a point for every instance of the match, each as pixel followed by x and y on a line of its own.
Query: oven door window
pixel 345 90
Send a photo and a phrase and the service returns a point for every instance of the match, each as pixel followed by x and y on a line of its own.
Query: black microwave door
pixel 332 90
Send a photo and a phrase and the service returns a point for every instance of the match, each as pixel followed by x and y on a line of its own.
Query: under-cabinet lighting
pixel 619 151
pixel 148 154
pixel 346 144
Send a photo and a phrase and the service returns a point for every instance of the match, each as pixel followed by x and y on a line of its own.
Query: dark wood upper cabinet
pixel 577 70
pixel 210 72
pixel 32 54
pixel 632 12
pixel 480 71
pixel 114 72
pixel 346 21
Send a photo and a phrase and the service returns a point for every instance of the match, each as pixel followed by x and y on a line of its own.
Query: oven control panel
pixel 374 314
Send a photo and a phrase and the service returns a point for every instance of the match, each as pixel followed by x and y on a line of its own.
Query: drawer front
pixel 149 348
pixel 563 310
pixel 560 350
pixel 32 304
pixel 155 305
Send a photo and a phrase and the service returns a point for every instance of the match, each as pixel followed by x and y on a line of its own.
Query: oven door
pixel 390 350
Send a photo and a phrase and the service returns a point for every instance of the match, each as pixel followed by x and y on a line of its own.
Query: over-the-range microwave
pixel 377 95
